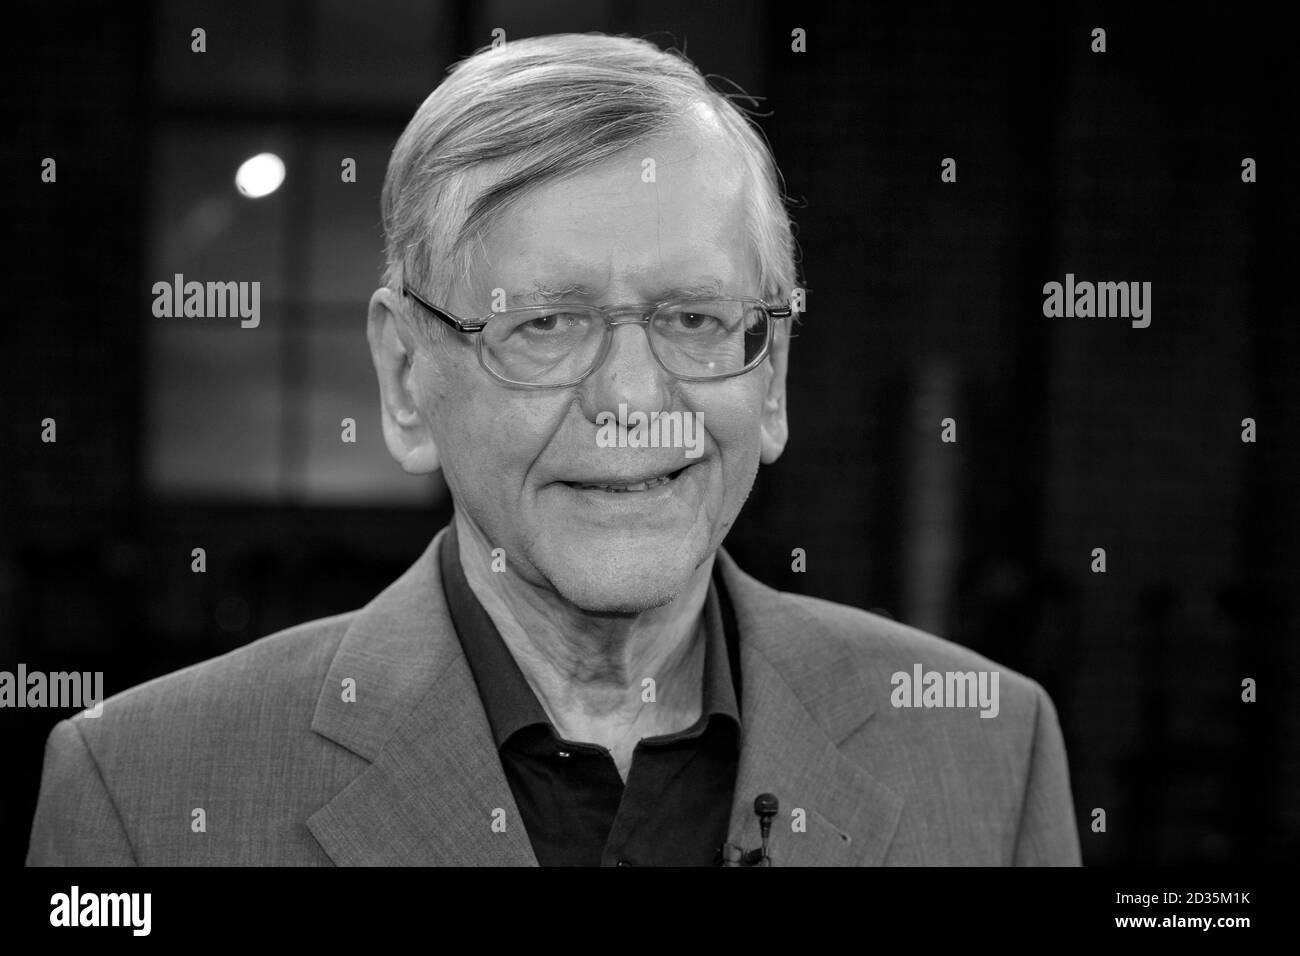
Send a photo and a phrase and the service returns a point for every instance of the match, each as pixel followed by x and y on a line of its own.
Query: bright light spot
pixel 260 176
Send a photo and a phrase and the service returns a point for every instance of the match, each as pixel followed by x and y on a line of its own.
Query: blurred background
pixel 925 302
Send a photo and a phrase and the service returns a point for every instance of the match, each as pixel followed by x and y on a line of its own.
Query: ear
pixel 774 426
pixel 395 352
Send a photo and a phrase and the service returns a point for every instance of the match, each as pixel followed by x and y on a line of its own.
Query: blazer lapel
pixel 796 708
pixel 434 785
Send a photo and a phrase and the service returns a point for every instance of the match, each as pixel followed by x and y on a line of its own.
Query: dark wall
pixel 925 302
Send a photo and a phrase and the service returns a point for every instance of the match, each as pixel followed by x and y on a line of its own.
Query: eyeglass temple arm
pixel 460 325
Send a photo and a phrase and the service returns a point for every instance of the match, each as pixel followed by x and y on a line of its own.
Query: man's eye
pixel 692 321
pixel 557 321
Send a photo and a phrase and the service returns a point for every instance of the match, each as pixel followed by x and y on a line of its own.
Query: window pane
pixel 214 409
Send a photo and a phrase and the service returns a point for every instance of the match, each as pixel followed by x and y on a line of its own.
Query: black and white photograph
pixel 652 434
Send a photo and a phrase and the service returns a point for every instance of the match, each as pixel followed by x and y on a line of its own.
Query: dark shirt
pixel 675 807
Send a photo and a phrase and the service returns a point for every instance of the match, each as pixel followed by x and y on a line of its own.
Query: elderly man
pixel 582 240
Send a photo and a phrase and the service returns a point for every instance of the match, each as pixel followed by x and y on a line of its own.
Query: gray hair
pixel 504 122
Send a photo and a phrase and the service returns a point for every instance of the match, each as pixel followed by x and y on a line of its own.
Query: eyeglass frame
pixel 644 312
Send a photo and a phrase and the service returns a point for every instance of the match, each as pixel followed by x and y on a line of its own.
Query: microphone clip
pixel 733 855
pixel 765 808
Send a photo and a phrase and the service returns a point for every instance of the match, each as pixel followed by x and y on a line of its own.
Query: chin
pixel 621 579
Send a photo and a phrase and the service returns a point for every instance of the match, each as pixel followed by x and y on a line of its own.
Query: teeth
pixel 619 489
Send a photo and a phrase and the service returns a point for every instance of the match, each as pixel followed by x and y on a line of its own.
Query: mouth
pixel 626 487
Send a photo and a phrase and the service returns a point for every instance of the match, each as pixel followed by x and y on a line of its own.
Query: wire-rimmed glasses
pixel 558 345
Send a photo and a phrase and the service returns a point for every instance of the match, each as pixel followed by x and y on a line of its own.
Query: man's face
pixel 514 458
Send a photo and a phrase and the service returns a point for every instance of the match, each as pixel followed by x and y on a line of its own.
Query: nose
pixel 628 374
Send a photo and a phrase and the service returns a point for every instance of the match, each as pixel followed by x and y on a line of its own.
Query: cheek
pixel 437 378
pixel 450 405
pixel 488 437
pixel 733 421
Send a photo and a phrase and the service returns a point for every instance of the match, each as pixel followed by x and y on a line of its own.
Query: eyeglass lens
pixel 560 343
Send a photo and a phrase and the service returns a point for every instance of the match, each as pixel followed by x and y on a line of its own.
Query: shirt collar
pixel 511 704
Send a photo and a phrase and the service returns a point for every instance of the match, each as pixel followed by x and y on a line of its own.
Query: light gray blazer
pixel 288 772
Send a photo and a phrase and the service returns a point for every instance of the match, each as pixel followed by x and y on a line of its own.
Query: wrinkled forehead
pixel 666 216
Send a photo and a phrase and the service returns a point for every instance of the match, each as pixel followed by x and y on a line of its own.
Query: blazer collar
pixel 797 708
pixel 434 786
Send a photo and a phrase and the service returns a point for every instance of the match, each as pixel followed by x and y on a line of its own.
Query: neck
pixel 592 673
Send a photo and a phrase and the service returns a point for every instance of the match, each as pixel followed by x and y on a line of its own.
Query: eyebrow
pixel 705 287
pixel 541 292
